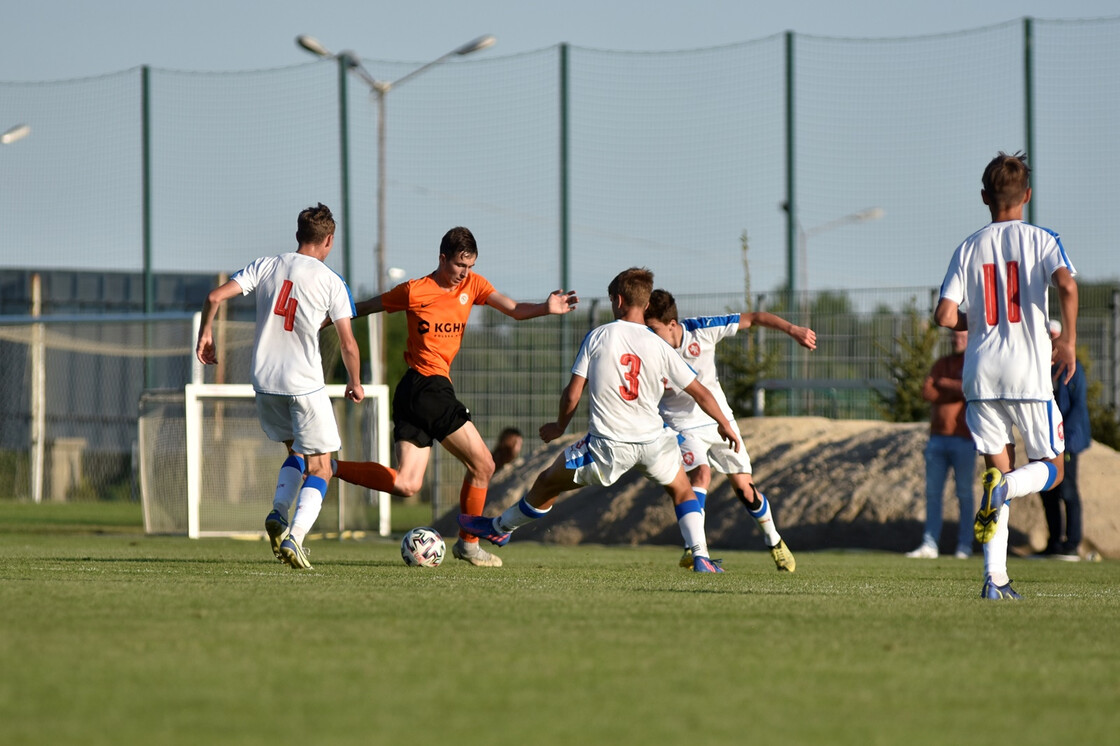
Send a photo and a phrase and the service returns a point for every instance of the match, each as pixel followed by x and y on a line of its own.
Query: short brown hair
pixel 458 240
pixel 1006 180
pixel 662 307
pixel 634 285
pixel 314 225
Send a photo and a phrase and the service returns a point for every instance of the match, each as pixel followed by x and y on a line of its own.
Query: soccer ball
pixel 423 547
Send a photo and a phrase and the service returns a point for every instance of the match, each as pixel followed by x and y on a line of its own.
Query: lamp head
pixel 18 132
pixel 311 44
pixel 482 42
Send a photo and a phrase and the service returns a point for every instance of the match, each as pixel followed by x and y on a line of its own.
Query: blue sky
pixel 60 39
pixel 618 210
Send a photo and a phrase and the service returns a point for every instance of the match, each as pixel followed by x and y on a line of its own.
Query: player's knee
pixel 482 470
pixel 407 487
pixel 318 468
pixel 749 498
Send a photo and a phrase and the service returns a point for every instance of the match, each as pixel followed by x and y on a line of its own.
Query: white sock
pixel 1026 479
pixel 308 507
pixel 692 529
pixel 995 551
pixel 702 498
pixel 288 484
pixel 519 514
pixel 765 520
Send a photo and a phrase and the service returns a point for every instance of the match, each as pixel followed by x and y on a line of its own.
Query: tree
pixel 908 364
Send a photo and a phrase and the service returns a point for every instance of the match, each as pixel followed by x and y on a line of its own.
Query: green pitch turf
pixel 111 637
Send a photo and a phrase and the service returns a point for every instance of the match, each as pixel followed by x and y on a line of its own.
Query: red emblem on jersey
pixel 694 349
pixel 1062 431
pixel 688 458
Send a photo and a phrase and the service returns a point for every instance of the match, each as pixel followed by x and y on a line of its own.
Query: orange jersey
pixel 437 319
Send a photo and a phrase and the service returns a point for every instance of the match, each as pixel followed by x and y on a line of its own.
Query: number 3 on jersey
pixel 991 294
pixel 286 306
pixel 633 365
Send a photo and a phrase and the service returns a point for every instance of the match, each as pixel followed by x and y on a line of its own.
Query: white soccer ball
pixel 423 547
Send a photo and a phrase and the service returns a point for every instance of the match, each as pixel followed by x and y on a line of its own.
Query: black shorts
pixel 425 409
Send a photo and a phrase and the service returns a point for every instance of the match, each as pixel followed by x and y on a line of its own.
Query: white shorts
pixel 308 421
pixel 702 445
pixel 602 462
pixel 1039 422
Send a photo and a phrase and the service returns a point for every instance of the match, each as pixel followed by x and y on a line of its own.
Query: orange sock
pixel 367 474
pixel 471 501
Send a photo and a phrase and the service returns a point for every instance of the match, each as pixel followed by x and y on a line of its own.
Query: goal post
pixel 207 469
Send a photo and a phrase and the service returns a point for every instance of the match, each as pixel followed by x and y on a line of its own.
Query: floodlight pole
pixel 380 89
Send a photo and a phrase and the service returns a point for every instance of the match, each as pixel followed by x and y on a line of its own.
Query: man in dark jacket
pixel 1072 403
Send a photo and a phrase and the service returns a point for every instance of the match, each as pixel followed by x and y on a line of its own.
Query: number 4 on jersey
pixel 991 294
pixel 286 306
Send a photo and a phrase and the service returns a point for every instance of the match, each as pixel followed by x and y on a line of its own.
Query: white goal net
pixel 207 469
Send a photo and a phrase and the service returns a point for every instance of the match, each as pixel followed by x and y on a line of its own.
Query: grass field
pixel 111 637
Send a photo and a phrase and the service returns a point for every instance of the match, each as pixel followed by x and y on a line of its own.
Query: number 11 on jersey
pixel 991 294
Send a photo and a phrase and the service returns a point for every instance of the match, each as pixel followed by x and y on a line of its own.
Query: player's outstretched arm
pixel 569 400
pixel 351 359
pixel 363 308
pixel 804 336
pixel 559 302
pixel 707 402
pixel 204 349
pixel 1064 354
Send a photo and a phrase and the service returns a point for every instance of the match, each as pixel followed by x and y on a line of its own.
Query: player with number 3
pixel 623 365
pixel 997 288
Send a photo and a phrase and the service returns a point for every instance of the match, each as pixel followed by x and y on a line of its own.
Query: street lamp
pixel 799 278
pixel 380 89
pixel 863 216
pixel 18 132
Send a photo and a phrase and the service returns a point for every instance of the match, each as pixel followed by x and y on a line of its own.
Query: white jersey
pixel 1000 277
pixel 295 293
pixel 698 348
pixel 626 365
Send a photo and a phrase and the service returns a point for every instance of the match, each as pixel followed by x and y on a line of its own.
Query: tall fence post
pixel 146 218
pixel 1028 101
pixel 791 211
pixel 565 256
pixel 1115 352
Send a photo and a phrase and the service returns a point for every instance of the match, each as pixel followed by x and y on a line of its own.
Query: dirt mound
pixel 832 483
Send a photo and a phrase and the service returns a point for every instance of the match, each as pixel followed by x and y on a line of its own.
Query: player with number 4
pixel 294 293
pixel 623 365
pixel 997 288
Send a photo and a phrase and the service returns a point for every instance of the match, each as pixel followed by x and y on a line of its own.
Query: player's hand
pixel 1064 358
pixel 355 392
pixel 551 431
pixel 560 302
pixel 729 435
pixel 805 336
pixel 205 350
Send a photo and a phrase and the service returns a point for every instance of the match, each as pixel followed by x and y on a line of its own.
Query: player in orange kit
pixel 425 407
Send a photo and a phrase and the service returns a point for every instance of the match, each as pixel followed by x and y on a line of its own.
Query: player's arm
pixel 1064 354
pixel 351 359
pixel 707 402
pixel 804 336
pixel 569 400
pixel 948 315
pixel 363 308
pixel 558 302
pixel 204 350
